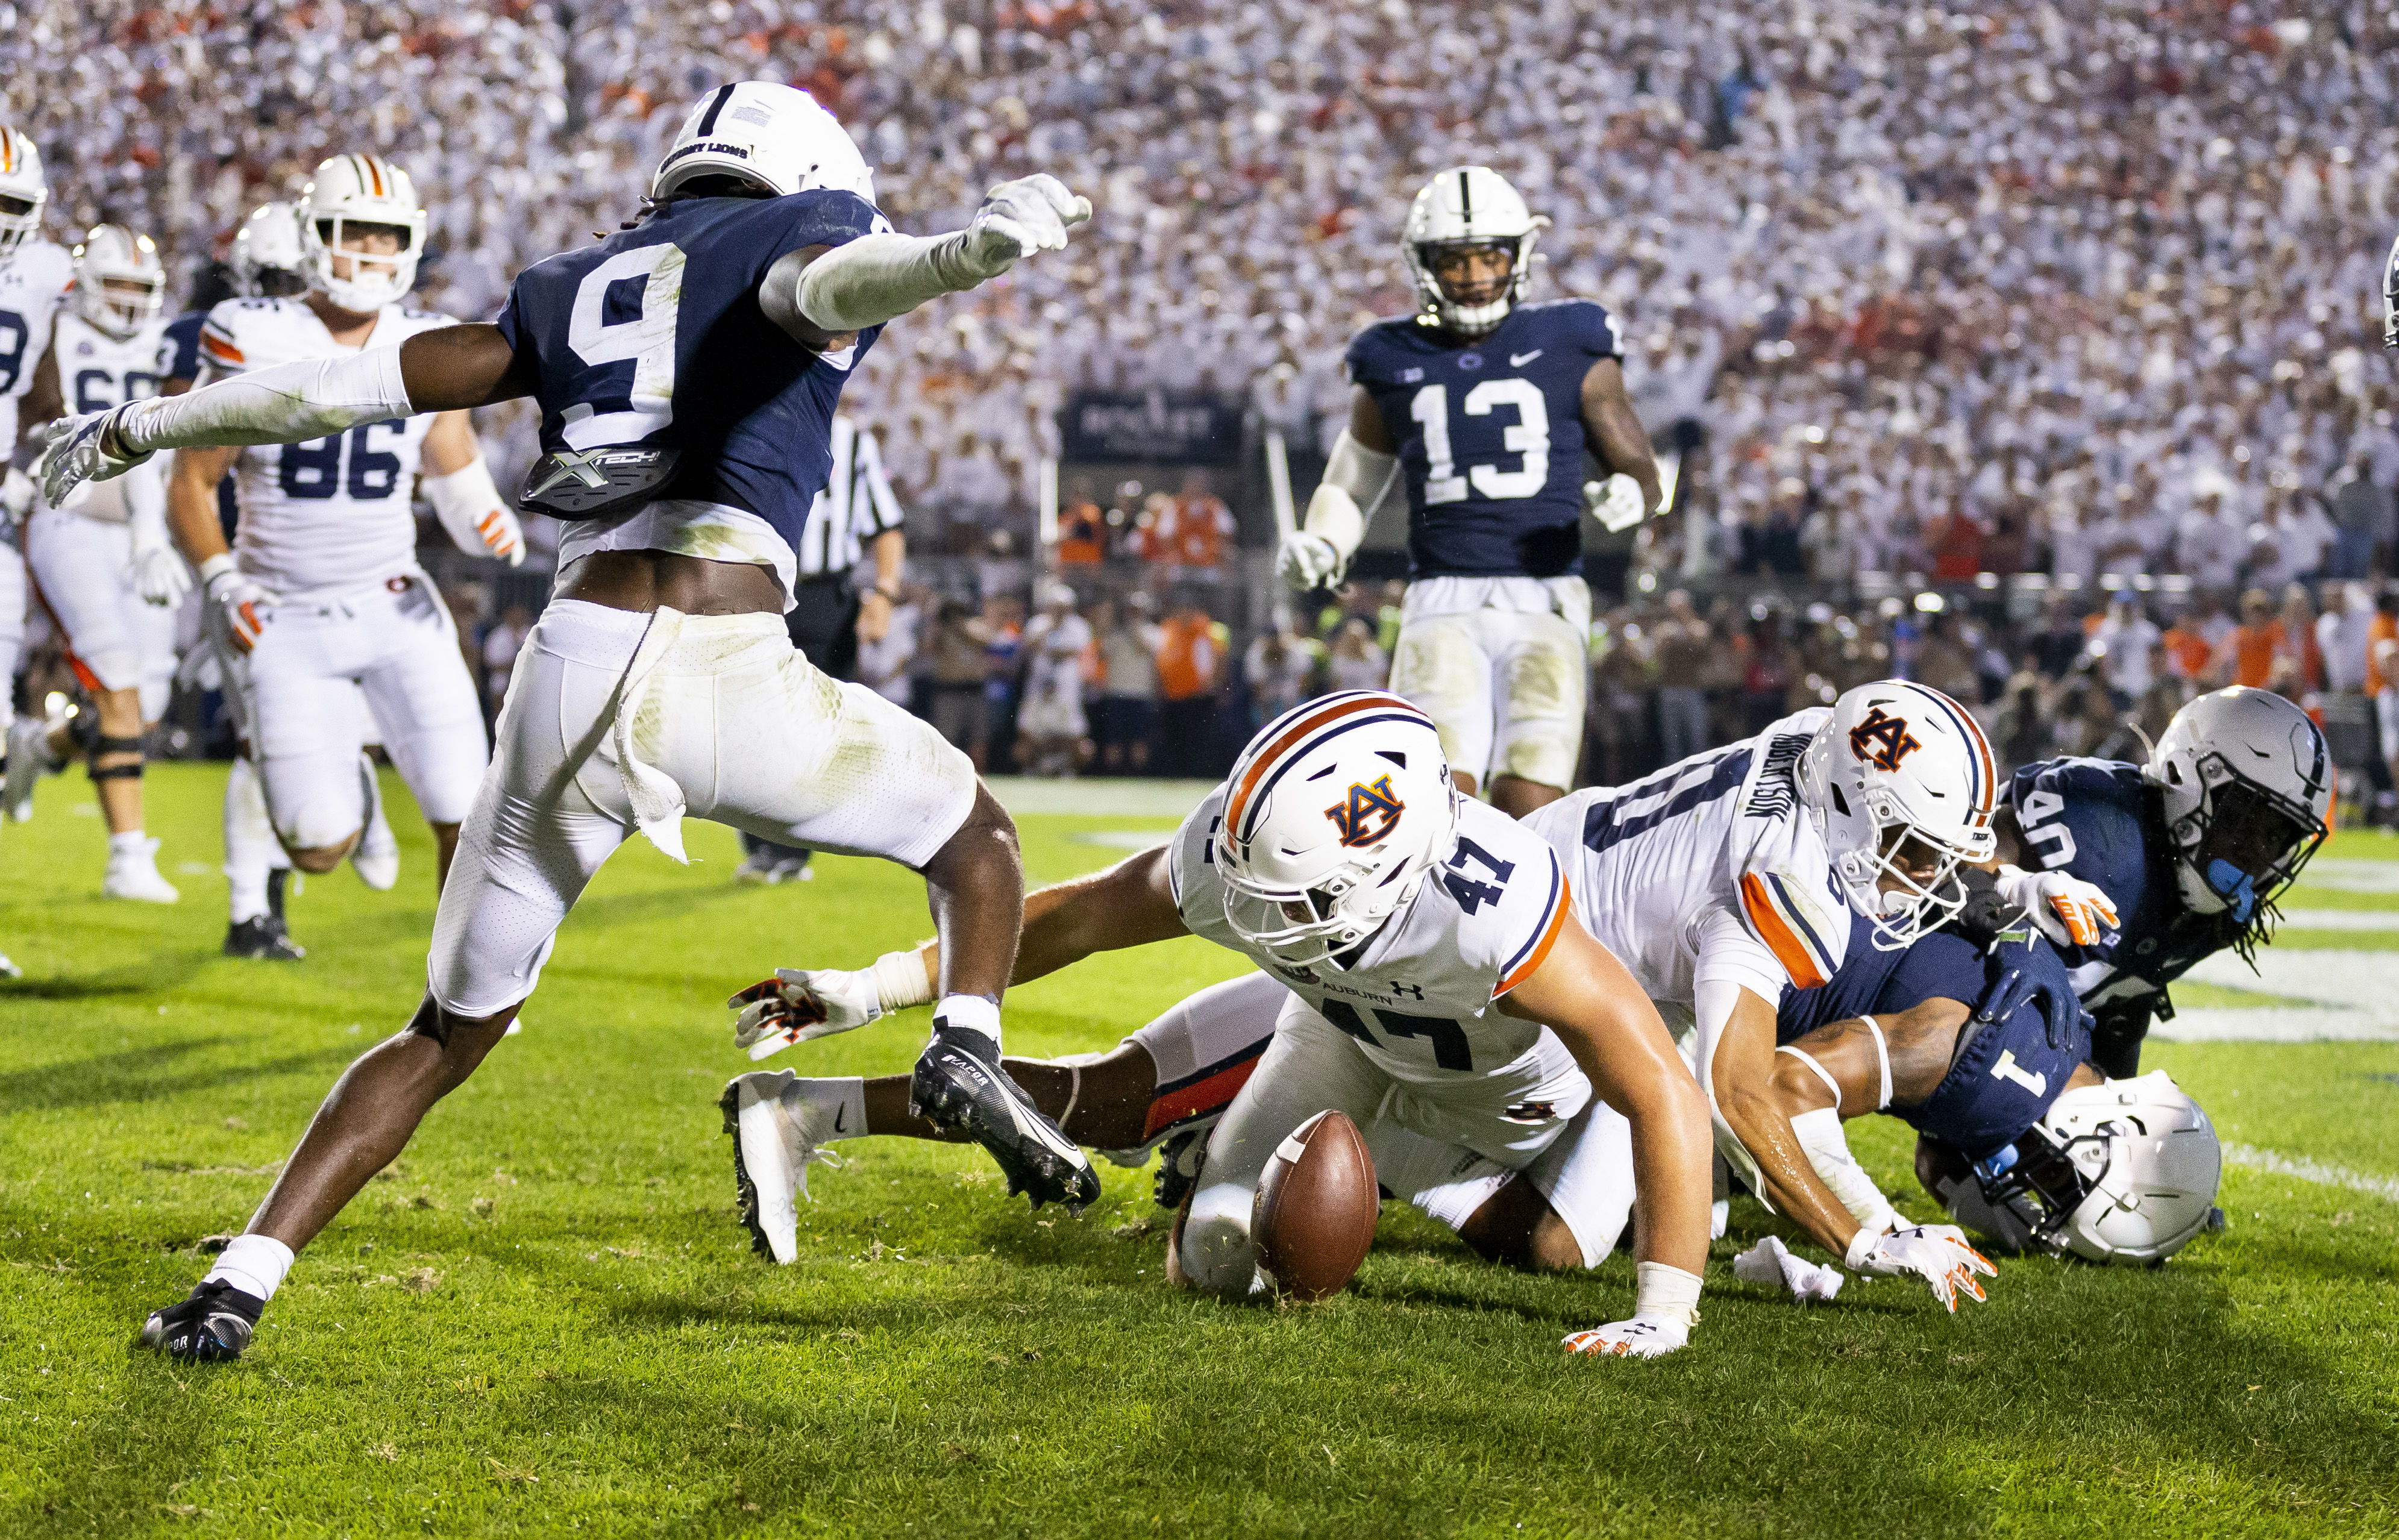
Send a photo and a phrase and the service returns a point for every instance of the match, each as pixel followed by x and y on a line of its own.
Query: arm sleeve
pixel 283 404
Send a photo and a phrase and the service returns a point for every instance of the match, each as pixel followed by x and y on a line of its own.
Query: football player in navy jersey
pixel 1486 406
pixel 2190 850
pixel 687 369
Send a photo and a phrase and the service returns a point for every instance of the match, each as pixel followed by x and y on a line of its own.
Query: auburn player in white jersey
pixel 34 279
pixel 1483 407
pixel 321 595
pixel 1728 878
pixel 1436 984
pixel 84 556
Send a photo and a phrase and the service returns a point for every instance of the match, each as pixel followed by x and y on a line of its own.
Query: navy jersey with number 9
pixel 1490 436
pixel 655 337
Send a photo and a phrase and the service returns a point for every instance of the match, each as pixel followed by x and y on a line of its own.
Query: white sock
pixel 971 1011
pixel 843 1096
pixel 255 1264
pixel 250 846
pixel 131 842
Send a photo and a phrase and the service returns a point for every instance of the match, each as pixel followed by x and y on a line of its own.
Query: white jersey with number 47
pixel 332 515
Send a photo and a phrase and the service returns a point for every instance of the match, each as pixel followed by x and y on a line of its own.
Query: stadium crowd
pixel 2080 292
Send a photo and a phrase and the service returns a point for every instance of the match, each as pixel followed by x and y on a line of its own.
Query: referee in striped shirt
pixel 854 517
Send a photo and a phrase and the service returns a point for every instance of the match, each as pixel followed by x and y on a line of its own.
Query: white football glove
pixel 160 574
pixel 1309 561
pixel 1019 218
pixel 1616 503
pixel 16 493
pixel 2068 910
pixel 1770 1263
pixel 799 1004
pixel 1642 1337
pixel 502 534
pixel 1939 1254
pixel 235 601
pixel 75 454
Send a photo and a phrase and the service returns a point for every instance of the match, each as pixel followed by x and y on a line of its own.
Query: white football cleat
pixel 376 856
pixel 776 1133
pixel 29 758
pixel 9 969
pixel 133 873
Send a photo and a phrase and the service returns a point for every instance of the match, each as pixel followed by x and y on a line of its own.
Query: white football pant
pixel 727 713
pixel 83 569
pixel 1501 665
pixel 12 618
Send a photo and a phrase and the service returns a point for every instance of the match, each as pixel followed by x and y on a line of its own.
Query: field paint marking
pixel 1101 797
pixel 2350 876
pixel 2300 1022
pixel 2366 981
pixel 1124 839
pixel 2341 919
pixel 2251 1158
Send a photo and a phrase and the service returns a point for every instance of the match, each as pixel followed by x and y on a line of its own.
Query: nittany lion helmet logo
pixel 1888 736
pixel 1367 814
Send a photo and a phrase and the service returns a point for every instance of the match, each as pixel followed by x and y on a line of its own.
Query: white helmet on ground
pixel 773 135
pixel 2124 1173
pixel 2247 782
pixel 1469 206
pixel 268 243
pixel 119 282
pixel 352 190
pixel 23 190
pixel 1336 811
pixel 1900 776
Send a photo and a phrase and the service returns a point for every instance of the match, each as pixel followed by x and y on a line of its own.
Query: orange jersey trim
pixel 1532 964
pixel 1788 948
pixel 220 348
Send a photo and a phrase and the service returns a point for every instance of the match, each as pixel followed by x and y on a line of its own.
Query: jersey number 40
pixel 1528 435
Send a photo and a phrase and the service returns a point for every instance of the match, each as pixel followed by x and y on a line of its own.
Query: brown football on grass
pixel 1314 1215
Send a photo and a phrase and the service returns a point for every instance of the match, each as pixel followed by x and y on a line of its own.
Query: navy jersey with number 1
pixel 1490 435
pixel 655 337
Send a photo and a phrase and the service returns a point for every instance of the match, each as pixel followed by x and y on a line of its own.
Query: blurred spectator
pixel 1356 662
pixel 1189 535
pixel 1003 646
pixel 1082 530
pixel 2126 646
pixel 960 672
pixel 1190 668
pixel 2299 663
pixel 1681 648
pixel 1129 643
pixel 1053 738
pixel 2247 656
pixel 883 661
pixel 2361 513
pixel 1281 667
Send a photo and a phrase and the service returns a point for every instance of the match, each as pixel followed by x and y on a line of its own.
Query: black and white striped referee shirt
pixel 854 507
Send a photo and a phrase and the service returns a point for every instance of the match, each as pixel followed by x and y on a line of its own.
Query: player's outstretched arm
pixel 1616 431
pixel 1359 474
pixel 461 365
pixel 1848 1069
pixel 1585 996
pixel 821 295
pixel 1129 904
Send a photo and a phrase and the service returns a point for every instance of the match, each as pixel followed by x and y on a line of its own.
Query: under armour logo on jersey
pixel 1367 814
pixel 1889 734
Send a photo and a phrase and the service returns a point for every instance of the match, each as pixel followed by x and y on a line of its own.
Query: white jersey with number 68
pixel 330 515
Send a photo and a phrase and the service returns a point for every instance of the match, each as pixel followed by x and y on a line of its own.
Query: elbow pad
pixel 874 278
pixel 285 404
pixel 1828 1150
pixel 1356 479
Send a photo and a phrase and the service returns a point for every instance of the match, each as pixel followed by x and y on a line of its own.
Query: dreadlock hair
pixel 720 184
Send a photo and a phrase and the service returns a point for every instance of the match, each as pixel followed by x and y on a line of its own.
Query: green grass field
pixel 545 1319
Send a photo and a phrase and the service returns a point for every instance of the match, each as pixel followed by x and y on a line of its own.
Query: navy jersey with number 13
pixel 1490 436
pixel 655 337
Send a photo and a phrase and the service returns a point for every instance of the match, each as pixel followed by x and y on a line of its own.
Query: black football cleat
pixel 212 1326
pixel 262 938
pixel 959 1084
pixel 1178 1167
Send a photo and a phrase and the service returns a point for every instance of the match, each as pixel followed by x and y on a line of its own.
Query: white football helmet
pixel 1337 810
pixel 2247 783
pixel 2124 1173
pixel 1469 206
pixel 23 190
pixel 119 282
pixel 269 257
pixel 772 134
pixel 1901 774
pixel 350 190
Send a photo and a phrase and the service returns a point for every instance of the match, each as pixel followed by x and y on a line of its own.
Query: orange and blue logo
pixel 1882 740
pixel 1367 814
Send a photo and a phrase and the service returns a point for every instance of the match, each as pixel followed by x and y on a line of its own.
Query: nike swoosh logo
pixel 1518 360
pixel 838 1113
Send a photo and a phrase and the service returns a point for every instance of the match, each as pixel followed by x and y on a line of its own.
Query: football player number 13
pixel 1528 435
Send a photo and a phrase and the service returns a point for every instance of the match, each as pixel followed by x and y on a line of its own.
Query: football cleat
pixel 262 939
pixel 133 873
pixel 776 1134
pixel 757 869
pixel 212 1326
pixel 1179 1160
pixel 958 1084
pixel 376 856
pixel 9 969
pixel 29 758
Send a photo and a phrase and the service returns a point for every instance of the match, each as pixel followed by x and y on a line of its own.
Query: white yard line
pixel 2250 1158
pixel 2351 877
pixel 2341 919
pixel 2300 1022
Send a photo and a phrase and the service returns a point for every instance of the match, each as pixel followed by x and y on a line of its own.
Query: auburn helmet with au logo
pixel 1333 815
pixel 1901 781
